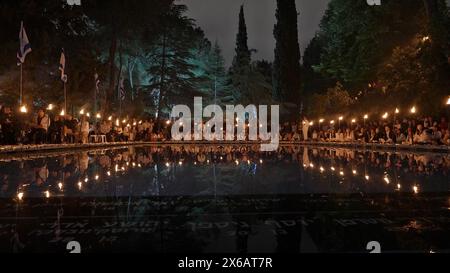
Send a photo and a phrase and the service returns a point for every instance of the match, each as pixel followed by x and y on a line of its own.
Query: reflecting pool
pixel 232 199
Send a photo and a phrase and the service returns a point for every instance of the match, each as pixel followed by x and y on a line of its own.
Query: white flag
pixel 25 46
pixel 62 67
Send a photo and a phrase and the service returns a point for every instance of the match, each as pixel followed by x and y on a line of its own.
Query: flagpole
pixel 119 94
pixel 95 97
pixel 95 103
pixel 120 107
pixel 21 85
pixel 65 98
pixel 62 67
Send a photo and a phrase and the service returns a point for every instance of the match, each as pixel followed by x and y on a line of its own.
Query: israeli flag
pixel 62 67
pixel 25 46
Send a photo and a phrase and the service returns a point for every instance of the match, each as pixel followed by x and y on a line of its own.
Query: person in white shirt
pixel 40 127
pixel 305 129
pixel 349 135
pixel 84 129
pixel 420 136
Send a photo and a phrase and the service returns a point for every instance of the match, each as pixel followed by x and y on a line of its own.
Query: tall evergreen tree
pixel 241 63
pixel 172 75
pixel 219 77
pixel 286 66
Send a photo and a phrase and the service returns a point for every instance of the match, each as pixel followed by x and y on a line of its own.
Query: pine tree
pixel 286 67
pixel 172 75
pixel 241 63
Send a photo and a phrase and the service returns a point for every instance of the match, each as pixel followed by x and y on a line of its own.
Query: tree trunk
pixel 438 34
pixel 107 102
pixel 430 8
pixel 162 78
pixel 119 77
pixel 131 66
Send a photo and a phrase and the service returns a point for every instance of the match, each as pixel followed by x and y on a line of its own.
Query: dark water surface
pixel 233 199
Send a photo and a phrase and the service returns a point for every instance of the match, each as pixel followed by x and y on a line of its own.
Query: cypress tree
pixel 241 63
pixel 286 66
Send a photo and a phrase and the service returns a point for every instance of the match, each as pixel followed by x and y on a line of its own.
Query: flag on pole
pixel 62 67
pixel 25 46
pixel 121 90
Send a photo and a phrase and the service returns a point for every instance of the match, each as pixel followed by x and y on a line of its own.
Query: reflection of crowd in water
pixel 407 163
pixel 53 174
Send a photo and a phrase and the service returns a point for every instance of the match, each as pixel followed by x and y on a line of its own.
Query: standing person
pixel 55 130
pixel 70 128
pixel 443 124
pixel 140 132
pixel 151 126
pixel 126 133
pixel 105 129
pixel 9 126
pixel 40 127
pixel 84 130
pixel 305 129
pixel 294 128
pixel 118 134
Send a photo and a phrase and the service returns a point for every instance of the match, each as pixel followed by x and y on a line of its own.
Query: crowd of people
pixel 44 127
pixel 407 131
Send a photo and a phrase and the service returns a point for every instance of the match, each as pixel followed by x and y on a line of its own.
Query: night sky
pixel 219 20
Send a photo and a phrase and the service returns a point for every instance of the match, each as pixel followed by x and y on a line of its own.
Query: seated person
pixel 362 135
pixel 399 136
pixel 105 129
pixel 389 136
pixel 376 135
pixel 70 129
pixel 446 137
pixel 409 138
pixel 287 137
pixel 340 136
pixel 55 130
pixel 421 136
pixel 40 127
pixel 349 135
pixel 436 136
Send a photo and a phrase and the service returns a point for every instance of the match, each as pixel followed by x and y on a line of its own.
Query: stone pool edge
pixel 62 147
